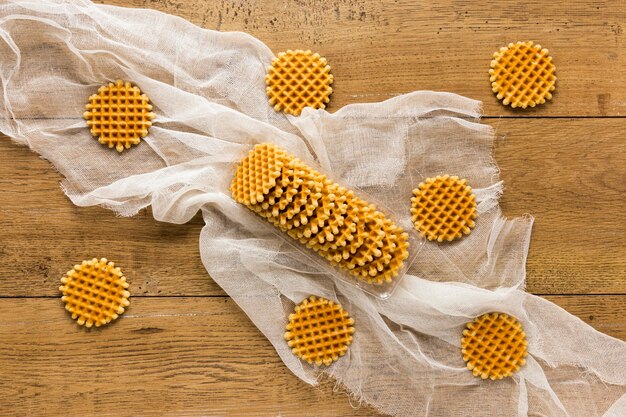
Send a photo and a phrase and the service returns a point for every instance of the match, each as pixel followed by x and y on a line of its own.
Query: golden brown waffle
pixel 355 232
pixel 119 115
pixel 298 79
pixel 393 252
pixel 319 331
pixel 395 265
pixel 95 292
pixel 341 232
pixel 320 214
pixel 359 214
pixel 443 208
pixel 291 178
pixel 295 199
pixel 303 205
pixel 326 230
pixel 522 74
pixel 257 174
pixel 393 268
pixel 494 346
pixel 372 243
pixel 350 234
pixel 327 216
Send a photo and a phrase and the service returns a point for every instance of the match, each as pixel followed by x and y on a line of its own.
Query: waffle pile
pixel 326 217
pixel 522 74
pixel 494 346
pixel 95 292
pixel 298 79
pixel 319 331
pixel 119 115
pixel 443 208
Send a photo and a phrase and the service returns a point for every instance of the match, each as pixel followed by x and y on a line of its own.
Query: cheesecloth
pixel 208 92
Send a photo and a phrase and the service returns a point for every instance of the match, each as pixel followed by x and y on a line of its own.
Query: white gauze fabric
pixel 208 92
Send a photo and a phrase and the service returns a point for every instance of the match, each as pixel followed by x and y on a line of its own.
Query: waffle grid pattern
pixel 443 208
pixel 350 233
pixel 393 252
pixel 298 79
pixel 494 346
pixel 119 115
pixel 522 75
pixel 319 331
pixel 257 175
pixel 95 292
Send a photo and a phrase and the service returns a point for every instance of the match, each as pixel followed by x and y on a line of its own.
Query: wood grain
pixel 382 48
pixel 184 348
pixel 44 235
pixel 165 356
pixel 569 174
pixel 173 356
pixel 563 171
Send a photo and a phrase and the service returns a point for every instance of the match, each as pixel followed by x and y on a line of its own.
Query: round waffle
pixel 119 115
pixel 319 331
pixel 95 292
pixel 522 75
pixel 257 174
pixel 298 79
pixel 494 346
pixel 443 208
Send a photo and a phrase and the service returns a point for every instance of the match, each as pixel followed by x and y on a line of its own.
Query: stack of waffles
pixel 326 217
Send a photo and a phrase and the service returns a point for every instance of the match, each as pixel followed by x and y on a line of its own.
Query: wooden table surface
pixel 184 348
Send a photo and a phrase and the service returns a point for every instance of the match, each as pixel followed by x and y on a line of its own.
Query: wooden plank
pixel 166 356
pixel 378 49
pixel 569 174
pixel 562 171
pixel 174 356
pixel 44 235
